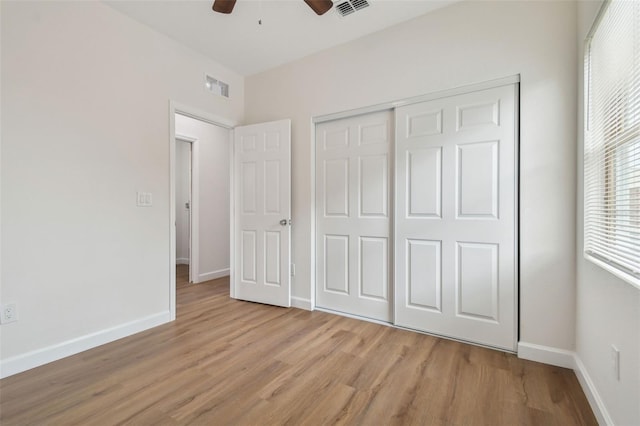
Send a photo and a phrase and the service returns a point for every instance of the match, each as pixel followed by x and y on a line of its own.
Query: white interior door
pixel 353 189
pixel 455 230
pixel 262 213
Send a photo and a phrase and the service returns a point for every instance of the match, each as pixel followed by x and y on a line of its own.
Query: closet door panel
pixel 455 217
pixel 353 214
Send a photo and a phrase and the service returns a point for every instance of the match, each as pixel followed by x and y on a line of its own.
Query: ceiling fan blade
pixel 319 6
pixel 224 6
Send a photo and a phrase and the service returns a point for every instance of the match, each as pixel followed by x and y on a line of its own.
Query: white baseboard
pixel 182 261
pixel 568 359
pixel 213 275
pixel 38 357
pixel 589 389
pixel 300 303
pixel 546 355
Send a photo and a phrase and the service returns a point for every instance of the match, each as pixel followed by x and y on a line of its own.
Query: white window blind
pixel 612 138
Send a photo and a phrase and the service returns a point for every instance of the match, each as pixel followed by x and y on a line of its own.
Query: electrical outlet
pixel 9 313
pixel 615 362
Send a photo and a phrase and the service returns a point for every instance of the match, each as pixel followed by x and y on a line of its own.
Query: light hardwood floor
pixel 226 362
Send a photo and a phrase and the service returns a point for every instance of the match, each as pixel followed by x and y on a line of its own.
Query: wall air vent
pixel 349 6
pixel 216 86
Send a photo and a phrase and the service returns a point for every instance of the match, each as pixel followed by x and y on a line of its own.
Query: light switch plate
pixel 144 199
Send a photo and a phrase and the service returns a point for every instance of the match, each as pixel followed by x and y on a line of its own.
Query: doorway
pixel 263 148
pixel 199 203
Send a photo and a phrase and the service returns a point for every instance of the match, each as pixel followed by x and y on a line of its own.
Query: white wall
pixel 212 156
pixel 608 309
pixel 461 44
pixel 183 196
pixel 85 124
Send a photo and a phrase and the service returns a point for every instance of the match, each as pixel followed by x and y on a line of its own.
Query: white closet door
pixel 455 232
pixel 353 215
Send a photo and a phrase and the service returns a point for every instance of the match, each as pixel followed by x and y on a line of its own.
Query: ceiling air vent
pixel 216 86
pixel 349 6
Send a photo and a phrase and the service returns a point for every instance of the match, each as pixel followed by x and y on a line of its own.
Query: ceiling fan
pixel 318 6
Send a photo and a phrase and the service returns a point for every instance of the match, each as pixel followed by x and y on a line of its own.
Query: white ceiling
pixel 289 30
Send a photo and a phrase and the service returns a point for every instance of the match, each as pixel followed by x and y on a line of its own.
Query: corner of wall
pixel 300 303
pixel 568 359
pixel 546 354
pixel 591 392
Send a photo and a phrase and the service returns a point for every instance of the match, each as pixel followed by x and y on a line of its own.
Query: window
pixel 612 140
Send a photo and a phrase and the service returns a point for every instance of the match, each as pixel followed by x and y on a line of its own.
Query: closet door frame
pixel 511 80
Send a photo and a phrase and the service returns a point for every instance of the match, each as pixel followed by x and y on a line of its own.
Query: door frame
pixel 195 113
pixel 315 120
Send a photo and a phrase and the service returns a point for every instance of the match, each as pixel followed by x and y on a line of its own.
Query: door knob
pixel 284 222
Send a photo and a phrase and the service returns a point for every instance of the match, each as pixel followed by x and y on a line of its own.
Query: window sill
pixel 633 281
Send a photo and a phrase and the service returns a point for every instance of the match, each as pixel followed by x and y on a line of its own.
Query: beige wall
pixel 464 43
pixel 85 124
pixel 608 309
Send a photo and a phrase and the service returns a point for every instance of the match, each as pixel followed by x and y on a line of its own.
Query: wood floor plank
pixel 225 361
